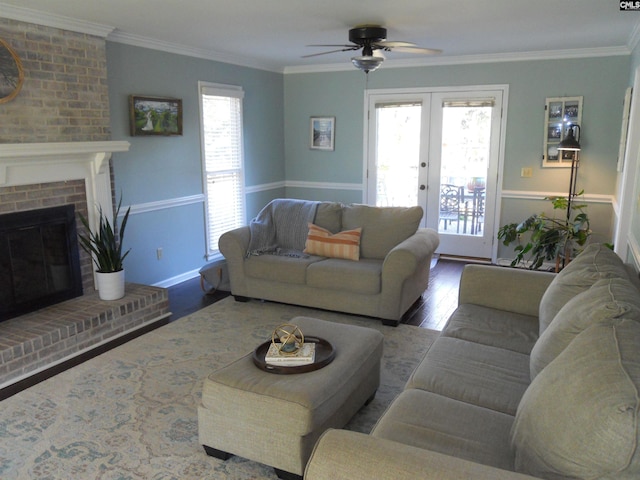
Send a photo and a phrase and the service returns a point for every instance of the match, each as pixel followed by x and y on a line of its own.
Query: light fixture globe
pixel 367 63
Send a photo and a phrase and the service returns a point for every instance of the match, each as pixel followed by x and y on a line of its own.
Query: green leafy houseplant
pixel 549 238
pixel 105 244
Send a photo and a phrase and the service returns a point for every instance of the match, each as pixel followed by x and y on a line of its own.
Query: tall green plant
pixel 105 244
pixel 548 237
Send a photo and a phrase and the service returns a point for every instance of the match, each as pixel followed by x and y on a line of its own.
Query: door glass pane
pixel 397 154
pixel 466 141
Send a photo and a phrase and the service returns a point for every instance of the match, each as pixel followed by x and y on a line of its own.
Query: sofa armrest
pixel 408 255
pixel 511 289
pixel 342 454
pixel 405 272
pixel 234 245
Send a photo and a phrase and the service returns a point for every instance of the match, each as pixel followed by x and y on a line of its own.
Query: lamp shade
pixel 570 142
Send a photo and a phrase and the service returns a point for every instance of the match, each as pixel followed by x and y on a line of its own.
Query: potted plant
pixel 549 238
pixel 105 247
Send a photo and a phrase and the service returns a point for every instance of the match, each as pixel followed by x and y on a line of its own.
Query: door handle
pixel 422 187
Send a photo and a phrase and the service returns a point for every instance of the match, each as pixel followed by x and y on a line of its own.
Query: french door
pixel 440 149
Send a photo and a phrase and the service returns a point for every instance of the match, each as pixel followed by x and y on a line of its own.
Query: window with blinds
pixel 222 160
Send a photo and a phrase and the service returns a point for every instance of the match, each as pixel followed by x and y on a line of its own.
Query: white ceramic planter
pixel 110 285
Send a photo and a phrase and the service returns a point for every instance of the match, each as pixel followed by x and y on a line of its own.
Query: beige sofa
pixel 390 274
pixel 535 375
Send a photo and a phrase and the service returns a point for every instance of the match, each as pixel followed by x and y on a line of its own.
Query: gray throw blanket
pixel 281 227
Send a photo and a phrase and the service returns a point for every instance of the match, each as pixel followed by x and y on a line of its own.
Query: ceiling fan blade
pixel 427 51
pixel 333 45
pixel 385 44
pixel 331 51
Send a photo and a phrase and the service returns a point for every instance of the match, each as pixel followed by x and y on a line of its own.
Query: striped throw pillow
pixel 339 245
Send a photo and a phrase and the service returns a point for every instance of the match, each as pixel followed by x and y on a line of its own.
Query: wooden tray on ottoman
pixel 324 355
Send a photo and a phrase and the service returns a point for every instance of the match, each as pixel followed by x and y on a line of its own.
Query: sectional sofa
pixel 372 261
pixel 535 375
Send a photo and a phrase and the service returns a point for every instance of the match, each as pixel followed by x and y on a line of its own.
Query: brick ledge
pixel 42 339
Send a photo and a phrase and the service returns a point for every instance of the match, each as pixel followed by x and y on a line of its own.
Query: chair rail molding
pixel 533 195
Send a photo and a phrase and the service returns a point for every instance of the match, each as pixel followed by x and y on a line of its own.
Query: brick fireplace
pixel 37 175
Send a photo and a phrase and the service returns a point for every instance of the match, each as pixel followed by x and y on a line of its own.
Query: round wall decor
pixel 11 73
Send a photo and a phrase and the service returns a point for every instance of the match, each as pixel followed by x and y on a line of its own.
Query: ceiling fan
pixel 372 39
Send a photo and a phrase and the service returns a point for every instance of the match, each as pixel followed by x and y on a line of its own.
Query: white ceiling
pixel 274 34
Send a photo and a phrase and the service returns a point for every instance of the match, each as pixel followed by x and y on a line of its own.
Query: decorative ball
pixel 287 338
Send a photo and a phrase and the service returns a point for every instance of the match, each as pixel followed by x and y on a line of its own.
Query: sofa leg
pixel 240 298
pixel 283 475
pixel 390 323
pixel 219 454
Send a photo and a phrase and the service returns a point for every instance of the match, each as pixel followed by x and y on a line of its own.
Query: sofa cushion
pixel 329 216
pixel 482 375
pixel 322 242
pixel 497 328
pixel 279 268
pixel 579 417
pixel 382 227
pixel 440 424
pixel 338 274
pixel 610 300
pixel 594 263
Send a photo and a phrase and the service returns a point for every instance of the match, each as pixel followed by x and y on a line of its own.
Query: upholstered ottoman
pixel 276 419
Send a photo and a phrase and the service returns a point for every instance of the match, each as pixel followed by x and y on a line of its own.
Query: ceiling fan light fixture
pixel 367 63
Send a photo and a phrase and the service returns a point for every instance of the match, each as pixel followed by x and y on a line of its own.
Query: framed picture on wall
pixel 626 111
pixel 155 116
pixel 323 133
pixel 560 114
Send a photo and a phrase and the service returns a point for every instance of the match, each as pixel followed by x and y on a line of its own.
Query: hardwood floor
pixel 430 311
pixel 440 299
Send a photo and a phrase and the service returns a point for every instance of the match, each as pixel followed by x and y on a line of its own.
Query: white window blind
pixel 469 103
pixel 222 160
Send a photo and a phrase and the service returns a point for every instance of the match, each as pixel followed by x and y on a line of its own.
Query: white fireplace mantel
pixel 40 163
pixel 32 163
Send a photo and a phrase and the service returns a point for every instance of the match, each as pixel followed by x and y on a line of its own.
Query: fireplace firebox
pixel 39 259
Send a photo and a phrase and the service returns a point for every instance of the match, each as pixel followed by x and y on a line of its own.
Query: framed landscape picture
pixel 155 115
pixel 323 133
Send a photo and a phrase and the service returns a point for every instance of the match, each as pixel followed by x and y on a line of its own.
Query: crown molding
pixel 145 42
pixel 55 21
pixel 472 59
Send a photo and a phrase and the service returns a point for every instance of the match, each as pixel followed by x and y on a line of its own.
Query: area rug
pixel 131 413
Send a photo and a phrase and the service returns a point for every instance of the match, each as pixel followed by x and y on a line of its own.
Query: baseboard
pixel 183 277
pixel 459 258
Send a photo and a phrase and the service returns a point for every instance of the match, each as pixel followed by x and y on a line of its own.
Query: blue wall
pixel 601 81
pixel 279 162
pixel 166 171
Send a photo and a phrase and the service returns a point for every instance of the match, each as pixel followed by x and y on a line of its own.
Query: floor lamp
pixel 571 144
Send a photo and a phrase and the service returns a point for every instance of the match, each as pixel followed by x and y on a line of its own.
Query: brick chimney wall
pixel 64 97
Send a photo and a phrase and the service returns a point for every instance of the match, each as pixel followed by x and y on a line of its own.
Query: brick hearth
pixel 38 340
